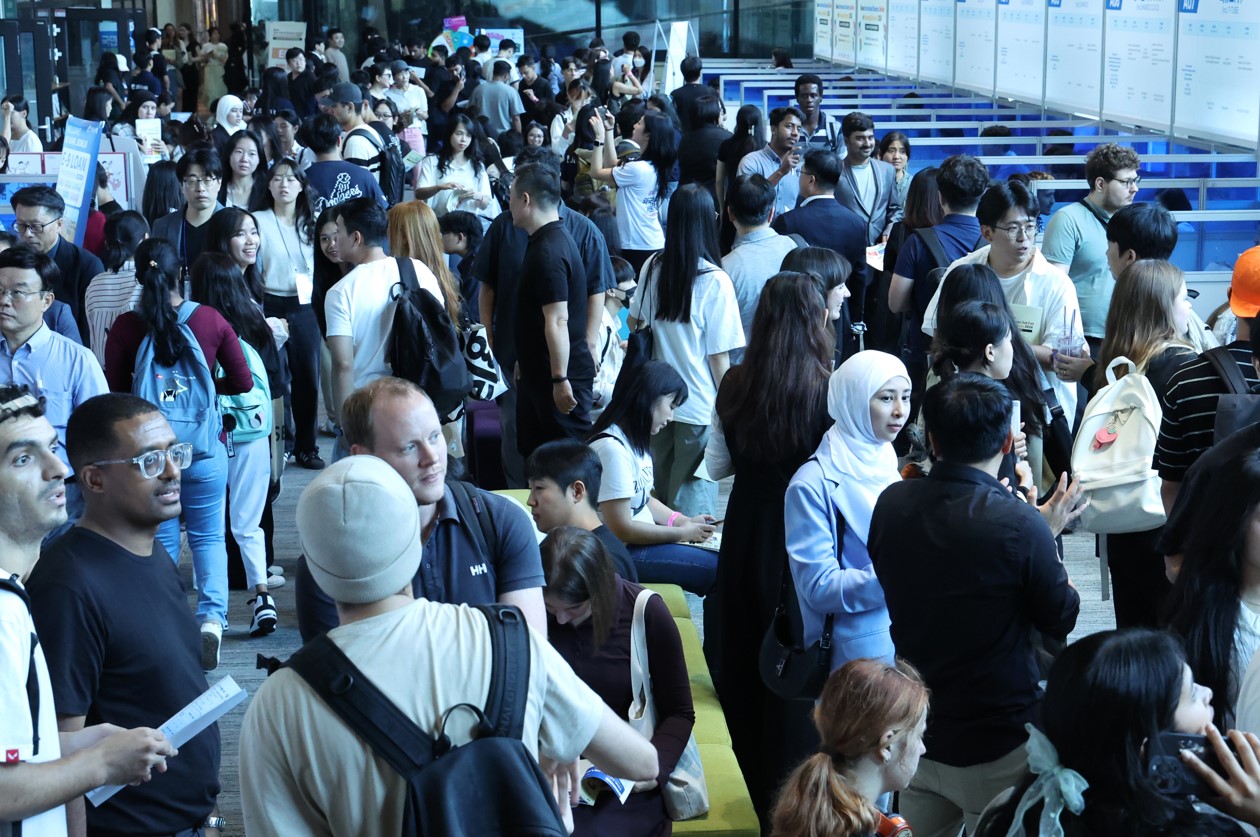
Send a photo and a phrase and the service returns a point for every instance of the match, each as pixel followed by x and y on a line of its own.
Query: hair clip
pixel 152 263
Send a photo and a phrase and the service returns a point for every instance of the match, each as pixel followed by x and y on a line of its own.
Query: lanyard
pixel 285 243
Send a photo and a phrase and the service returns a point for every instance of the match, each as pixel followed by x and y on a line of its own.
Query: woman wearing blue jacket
pixel 827 513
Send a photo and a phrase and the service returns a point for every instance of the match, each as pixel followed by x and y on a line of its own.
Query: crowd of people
pixel 900 444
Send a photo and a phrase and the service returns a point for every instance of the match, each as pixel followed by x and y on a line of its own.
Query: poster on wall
pixel 903 38
pixel 76 177
pixel 975 36
pixel 498 36
pixel 1218 84
pixel 283 35
pixel 844 44
pixel 872 36
pixel 936 41
pixel 1074 50
pixel 1021 49
pixel 822 30
pixel 1138 77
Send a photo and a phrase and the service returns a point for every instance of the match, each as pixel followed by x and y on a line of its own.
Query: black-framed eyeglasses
pixel 1029 230
pixel 1129 182
pixel 152 463
pixel 23 227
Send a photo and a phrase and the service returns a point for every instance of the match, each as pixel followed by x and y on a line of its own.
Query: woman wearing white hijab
pixel 229 118
pixel 827 511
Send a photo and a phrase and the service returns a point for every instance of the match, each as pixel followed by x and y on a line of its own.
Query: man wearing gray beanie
pixel 303 771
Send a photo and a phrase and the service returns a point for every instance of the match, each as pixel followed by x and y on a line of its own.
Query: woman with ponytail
pixel 203 483
pixel 870 718
pixel 111 293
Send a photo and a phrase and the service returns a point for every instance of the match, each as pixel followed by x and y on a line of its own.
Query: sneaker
pixel 310 461
pixel 211 639
pixel 264 615
pixel 276 569
pixel 275 580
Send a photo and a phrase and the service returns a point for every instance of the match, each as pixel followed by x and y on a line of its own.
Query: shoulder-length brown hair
pixel 578 569
pixel 414 233
pixel 1141 321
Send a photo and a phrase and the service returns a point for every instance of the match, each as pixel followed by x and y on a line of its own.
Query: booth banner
pixel 283 35
pixel 497 36
pixel 76 176
pixel 455 34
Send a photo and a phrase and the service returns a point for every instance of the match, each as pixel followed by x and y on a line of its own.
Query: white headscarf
pixel 867 463
pixel 227 103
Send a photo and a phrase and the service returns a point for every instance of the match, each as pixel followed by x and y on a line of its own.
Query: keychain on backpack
pixel 229 424
pixel 1108 432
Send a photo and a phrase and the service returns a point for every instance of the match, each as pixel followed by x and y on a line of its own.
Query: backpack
pixel 248 416
pixel 489 786
pixel 183 392
pixel 1237 408
pixel 424 346
pixel 933 242
pixel 1112 455
pixel 393 169
pixel 11 584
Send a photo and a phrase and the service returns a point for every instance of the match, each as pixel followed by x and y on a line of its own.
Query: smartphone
pixel 1172 776
pixel 1016 418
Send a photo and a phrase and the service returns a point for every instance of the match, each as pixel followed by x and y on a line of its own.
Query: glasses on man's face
pixel 24 227
pixel 196 183
pixel 1014 231
pixel 19 296
pixel 153 463
pixel 1128 182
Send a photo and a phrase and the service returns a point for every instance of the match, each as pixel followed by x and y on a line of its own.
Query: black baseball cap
pixel 343 93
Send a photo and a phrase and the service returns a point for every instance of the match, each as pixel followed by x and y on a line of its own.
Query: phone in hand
pixel 1172 776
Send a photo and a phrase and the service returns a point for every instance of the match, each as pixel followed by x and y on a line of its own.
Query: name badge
pixel 305 287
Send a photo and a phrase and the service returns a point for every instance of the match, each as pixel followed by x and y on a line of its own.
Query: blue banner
pixel 76 179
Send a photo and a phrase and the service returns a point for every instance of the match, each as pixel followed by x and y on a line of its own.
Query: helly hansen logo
pixel 480 569
pixel 11 757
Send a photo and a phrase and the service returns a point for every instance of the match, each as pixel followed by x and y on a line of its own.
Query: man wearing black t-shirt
pixel 556 370
pixel 113 618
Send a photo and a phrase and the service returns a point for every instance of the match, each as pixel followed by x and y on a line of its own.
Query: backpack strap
pixel 367 135
pixel 1224 365
pixel 799 240
pixel 362 706
pixel 509 669
pixel 186 310
pixel 1096 212
pixel 471 507
pixel 933 242
pixel 407 275
pixel 32 674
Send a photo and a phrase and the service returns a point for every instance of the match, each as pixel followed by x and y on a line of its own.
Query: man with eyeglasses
pixel 39 211
pixel 1041 295
pixel 200 173
pixel 1076 236
pixel 63 372
pixel 122 645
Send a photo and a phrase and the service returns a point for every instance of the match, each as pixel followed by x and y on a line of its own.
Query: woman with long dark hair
pixel 894 149
pixel 203 483
pixel 163 193
pixel 234 232
pixel 456 176
pixel 275 93
pixel 922 210
pixel 643 184
pixel 657 537
pixel 109 76
pixel 771 414
pixel 591 613
pixel 15 127
pixel 243 183
pixel 217 281
pixel 577 94
pixel 1108 699
pixel 749 136
pixel 833 270
pixel 689 302
pixel 111 293
pixel 870 718
pixel 329 270
pixel 576 183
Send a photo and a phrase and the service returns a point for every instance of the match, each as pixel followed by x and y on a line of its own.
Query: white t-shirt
pixel 360 307
pixel 626 476
pixel 714 328
pixel 446 201
pixel 1044 299
pixel 303 771
pixel 638 210
pixel 1246 643
pixel 28 144
pixel 358 149
pixel 16 735
pixel 864 177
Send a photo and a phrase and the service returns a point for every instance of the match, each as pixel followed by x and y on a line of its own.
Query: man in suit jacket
pixel 823 222
pixel 867 186
pixel 39 211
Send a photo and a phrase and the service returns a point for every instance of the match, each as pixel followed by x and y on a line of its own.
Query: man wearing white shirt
pixel 1041 295
pixel 359 308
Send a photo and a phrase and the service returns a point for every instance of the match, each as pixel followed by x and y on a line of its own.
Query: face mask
pixel 639 62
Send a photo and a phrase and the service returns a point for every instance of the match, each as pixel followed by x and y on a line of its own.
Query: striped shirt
pixel 108 295
pixel 1189 425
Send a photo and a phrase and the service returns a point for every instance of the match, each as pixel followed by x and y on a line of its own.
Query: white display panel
pixel 1138 82
pixel 1074 50
pixel 873 34
pixel 1021 49
pixel 976 33
pixel 936 41
pixel 903 38
pixel 844 19
pixel 822 29
pixel 1218 83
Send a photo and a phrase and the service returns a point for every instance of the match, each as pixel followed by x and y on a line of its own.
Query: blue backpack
pixel 250 411
pixel 184 391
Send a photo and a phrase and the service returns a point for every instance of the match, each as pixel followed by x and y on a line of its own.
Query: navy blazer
pixel 78 267
pixel 887 206
pixel 825 223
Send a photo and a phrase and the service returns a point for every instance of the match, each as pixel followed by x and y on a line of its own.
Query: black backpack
pixel 424 347
pixel 937 274
pixel 393 169
pixel 32 676
pixel 1240 406
pixel 489 786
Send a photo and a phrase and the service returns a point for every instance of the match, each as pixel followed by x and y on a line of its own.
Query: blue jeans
pixel 690 567
pixel 203 490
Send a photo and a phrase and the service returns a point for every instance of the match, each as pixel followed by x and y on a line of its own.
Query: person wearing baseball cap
pixel 1189 425
pixel 409 97
pixel 360 528
pixel 360 144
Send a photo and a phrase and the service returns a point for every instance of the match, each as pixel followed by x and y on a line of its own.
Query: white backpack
pixel 1112 455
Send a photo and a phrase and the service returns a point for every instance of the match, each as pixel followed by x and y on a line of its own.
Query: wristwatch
pixel 215 822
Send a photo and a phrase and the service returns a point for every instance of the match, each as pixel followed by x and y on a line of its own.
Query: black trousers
pixel 538 420
pixel 302 350
pixel 1139 588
